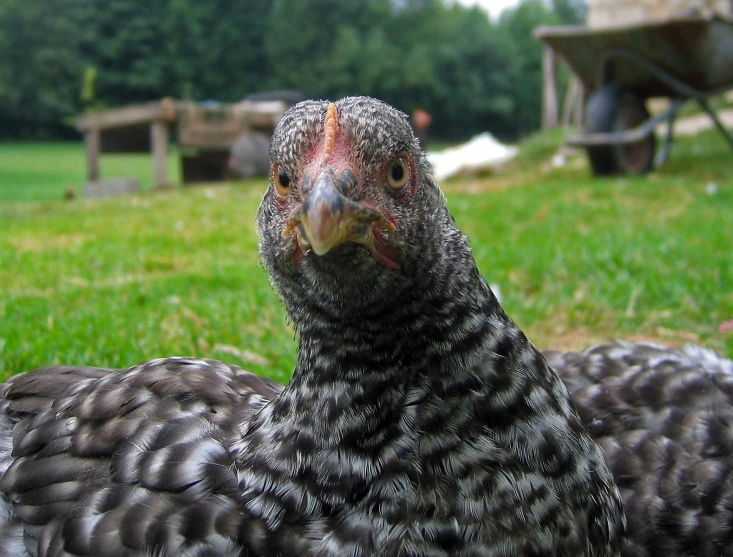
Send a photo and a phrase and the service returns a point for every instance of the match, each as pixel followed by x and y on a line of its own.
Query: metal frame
pixel 684 91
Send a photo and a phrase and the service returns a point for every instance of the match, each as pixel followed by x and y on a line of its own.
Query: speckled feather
pixel 419 420
pixel 664 419
pixel 140 457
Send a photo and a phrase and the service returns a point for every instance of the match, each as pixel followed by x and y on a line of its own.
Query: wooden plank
pixel 164 110
pixel 159 141
pixel 91 142
pixel 580 104
pixel 570 107
pixel 210 128
pixel 549 97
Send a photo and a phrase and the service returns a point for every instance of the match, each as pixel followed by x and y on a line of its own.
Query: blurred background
pixel 470 70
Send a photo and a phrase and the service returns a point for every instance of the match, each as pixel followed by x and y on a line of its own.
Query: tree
pixel 216 49
pixel 125 42
pixel 302 42
pixel 236 52
pixel 477 76
pixel 469 73
pixel 570 12
pixel 40 66
pixel 516 26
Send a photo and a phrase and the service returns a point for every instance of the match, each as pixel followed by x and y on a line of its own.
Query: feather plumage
pixel 664 419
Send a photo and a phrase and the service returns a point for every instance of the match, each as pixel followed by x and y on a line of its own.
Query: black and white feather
pixel 419 420
pixel 664 419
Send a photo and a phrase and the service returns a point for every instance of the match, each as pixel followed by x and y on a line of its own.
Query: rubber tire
pixel 615 108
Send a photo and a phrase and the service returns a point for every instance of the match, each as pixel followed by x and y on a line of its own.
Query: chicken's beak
pixel 328 218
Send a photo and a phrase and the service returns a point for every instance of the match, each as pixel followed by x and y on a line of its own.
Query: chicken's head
pixel 349 202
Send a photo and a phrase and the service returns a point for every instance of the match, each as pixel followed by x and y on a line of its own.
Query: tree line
pixel 61 57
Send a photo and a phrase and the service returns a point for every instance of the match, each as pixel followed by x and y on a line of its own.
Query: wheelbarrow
pixel 684 59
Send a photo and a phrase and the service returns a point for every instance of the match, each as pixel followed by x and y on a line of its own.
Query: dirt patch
pixel 693 125
pixel 582 339
pixel 39 244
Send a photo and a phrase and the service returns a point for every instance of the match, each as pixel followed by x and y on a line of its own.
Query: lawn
pixel 45 171
pixel 577 261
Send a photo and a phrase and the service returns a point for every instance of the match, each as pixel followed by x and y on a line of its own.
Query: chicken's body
pixel 664 419
pixel 419 420
pixel 127 462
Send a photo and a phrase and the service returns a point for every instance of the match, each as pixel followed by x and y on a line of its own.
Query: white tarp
pixel 482 153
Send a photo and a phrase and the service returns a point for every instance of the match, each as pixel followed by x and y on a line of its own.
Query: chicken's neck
pixel 419 368
pixel 391 413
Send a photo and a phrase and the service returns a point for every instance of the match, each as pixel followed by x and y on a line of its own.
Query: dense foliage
pixel 63 56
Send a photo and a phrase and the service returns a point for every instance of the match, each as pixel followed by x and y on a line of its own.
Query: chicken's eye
pixel 281 180
pixel 398 173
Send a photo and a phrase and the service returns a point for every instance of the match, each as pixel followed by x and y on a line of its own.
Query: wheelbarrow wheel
pixel 615 108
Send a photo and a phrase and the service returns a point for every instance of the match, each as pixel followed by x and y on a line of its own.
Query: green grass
pixel 116 281
pixel 578 261
pixel 45 171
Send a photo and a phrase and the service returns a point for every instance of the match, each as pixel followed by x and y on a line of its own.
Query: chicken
pixel 664 419
pixel 419 420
